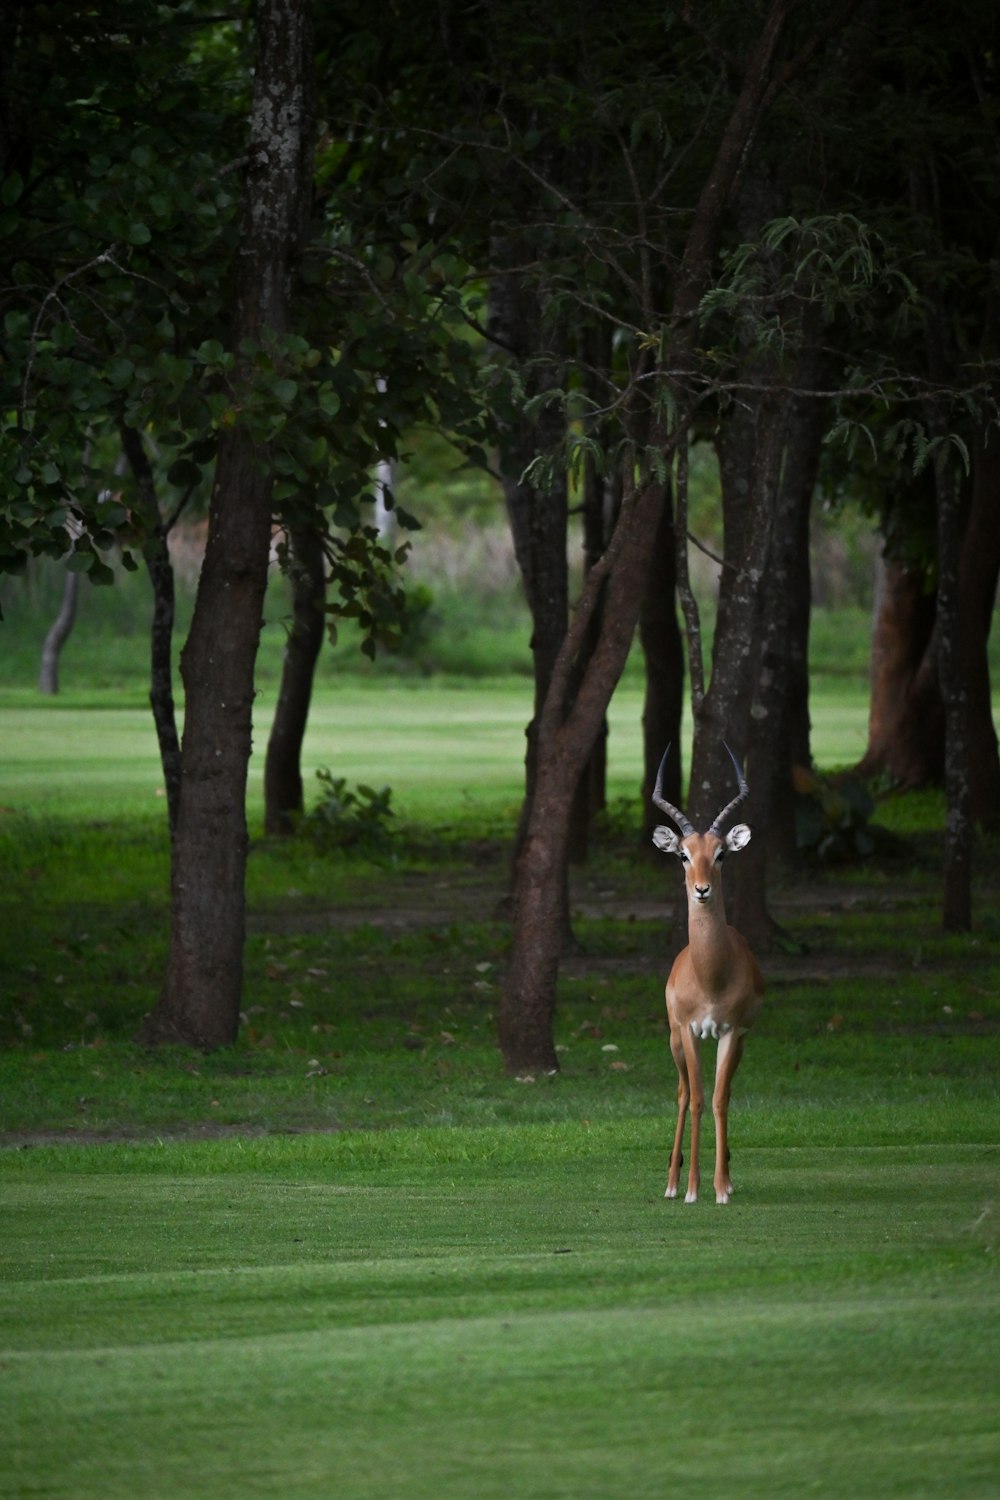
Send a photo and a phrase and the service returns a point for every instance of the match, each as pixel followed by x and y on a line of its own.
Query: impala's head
pixel 700 853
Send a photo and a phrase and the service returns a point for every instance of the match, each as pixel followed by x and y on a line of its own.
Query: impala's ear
pixel 666 840
pixel 738 837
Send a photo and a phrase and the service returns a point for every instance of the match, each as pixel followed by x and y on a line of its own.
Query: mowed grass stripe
pixel 422 739
pixel 851 1396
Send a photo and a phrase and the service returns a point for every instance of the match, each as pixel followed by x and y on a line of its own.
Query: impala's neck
pixel 708 938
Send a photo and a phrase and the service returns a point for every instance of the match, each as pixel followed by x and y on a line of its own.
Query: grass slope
pixel 486 1313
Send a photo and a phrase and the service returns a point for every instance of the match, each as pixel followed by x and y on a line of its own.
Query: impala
pixel 715 987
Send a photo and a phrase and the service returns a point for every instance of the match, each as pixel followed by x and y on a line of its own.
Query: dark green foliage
pixel 117 260
pixel 833 816
pixel 349 817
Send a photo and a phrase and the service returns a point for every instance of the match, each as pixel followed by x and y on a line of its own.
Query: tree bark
pixel 748 517
pixel 957 897
pixel 527 1003
pixel 979 567
pixel 161 577
pixel 283 793
pixel 602 497
pixel 199 1004
pixel 806 429
pixel 537 511
pixel 906 714
pixel 663 650
pixel 780 696
pixel 779 712
pixel 748 669
pixel 58 633
pixel 907 717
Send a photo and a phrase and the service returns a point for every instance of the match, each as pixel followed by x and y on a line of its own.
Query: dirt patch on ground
pixel 425 901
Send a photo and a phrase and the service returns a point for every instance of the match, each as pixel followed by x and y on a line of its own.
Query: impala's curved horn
pixel 668 807
pixel 730 807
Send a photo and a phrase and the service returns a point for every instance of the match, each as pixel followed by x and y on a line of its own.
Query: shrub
pixel 832 817
pixel 346 818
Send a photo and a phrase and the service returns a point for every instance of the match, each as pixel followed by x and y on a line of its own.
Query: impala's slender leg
pixel 683 1096
pixel 692 1056
pixel 728 1060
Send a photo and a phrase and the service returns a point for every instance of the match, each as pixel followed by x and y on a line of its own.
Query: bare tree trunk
pixel 283 795
pixel 957 900
pixel 537 510
pixel 807 424
pixel 979 566
pixel 58 633
pixel 779 713
pixel 907 719
pixel 602 497
pixel 527 1002
pixel 958 837
pixel 906 715
pixel 161 577
pixel 748 507
pixel 750 446
pixel 781 665
pixel 663 649
pixel 748 672
pixel 199 1004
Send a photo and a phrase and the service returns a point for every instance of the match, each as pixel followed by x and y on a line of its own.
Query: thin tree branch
pixel 167 526
pixel 52 295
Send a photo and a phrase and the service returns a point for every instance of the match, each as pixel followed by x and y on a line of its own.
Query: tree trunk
pixel 161 577
pixel 979 566
pixel 283 795
pixel 750 455
pixel 663 649
pixel 537 510
pixel 906 716
pixel 957 900
pixel 906 727
pixel 807 424
pixel 527 1003
pixel 956 906
pixel 199 1004
pixel 779 691
pixel 779 737
pixel 750 446
pixel 749 673
pixel 58 633
pixel 602 498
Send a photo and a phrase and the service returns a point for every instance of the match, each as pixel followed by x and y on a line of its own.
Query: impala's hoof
pixel 691 1197
pixel 722 1197
pixel 670 1193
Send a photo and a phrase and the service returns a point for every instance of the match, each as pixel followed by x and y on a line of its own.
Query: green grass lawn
pixel 497 1312
pixel 445 750
pixel 349 1257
